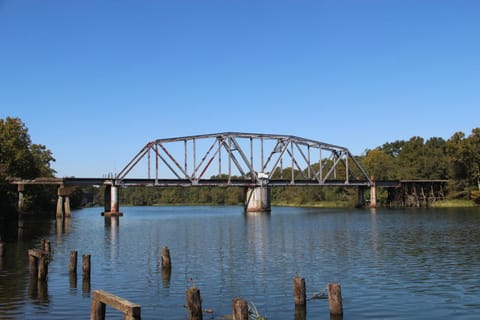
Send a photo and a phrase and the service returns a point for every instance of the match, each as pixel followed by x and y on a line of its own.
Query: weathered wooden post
pixel 194 304
pixel 43 267
pixel 335 299
pixel 97 311
pixel 131 311
pixel 45 245
pixel 38 263
pixel 239 309
pixel 86 264
pixel 32 265
pixel 2 249
pixel 21 189
pixel 299 291
pixel 166 262
pixel 72 266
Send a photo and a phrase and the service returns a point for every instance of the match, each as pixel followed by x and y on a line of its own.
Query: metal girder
pixel 176 161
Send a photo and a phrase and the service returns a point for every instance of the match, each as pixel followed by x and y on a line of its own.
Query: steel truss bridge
pixel 242 159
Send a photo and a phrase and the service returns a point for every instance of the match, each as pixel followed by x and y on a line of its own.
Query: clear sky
pixel 94 81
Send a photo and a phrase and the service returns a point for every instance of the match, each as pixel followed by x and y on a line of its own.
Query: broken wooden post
pixel 194 304
pixel 86 264
pixel 166 262
pixel 72 266
pixel 335 299
pixel 45 245
pixel 38 263
pixel 32 265
pixel 299 292
pixel 131 311
pixel 239 309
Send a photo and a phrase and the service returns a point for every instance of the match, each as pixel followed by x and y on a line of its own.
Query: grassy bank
pixel 321 204
pixel 454 204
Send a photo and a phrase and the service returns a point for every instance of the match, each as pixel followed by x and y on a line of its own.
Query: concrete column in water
pixel 111 201
pixel 60 206
pixel 114 199
pixel 67 206
pixel 258 199
pixel 373 196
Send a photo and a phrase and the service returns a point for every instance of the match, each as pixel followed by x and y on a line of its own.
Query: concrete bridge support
pixel 63 202
pixel 373 196
pixel 360 197
pixel 258 199
pixel 111 201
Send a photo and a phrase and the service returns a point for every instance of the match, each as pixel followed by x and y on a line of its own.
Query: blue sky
pixel 94 81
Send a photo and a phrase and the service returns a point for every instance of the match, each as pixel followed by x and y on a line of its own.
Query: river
pixel 391 264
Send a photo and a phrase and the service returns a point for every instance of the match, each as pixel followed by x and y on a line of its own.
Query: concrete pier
pixel 373 196
pixel 258 199
pixel 112 205
pixel 63 201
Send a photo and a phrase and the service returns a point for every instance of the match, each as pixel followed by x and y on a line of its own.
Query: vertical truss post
pixel 261 151
pixel 292 181
pixel 219 158
pixel 156 163
pixel 194 158
pixel 186 157
pixel 251 155
pixel 148 161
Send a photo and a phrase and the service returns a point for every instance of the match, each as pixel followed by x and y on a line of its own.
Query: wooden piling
pixel 166 262
pixel 131 311
pixel 2 249
pixel 299 291
pixel 46 246
pixel 32 266
pixel 43 268
pixel 194 304
pixel 239 309
pixel 335 299
pixel 98 309
pixel 86 264
pixel 72 266
pixel 38 264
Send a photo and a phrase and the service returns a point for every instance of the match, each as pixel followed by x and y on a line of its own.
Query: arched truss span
pixel 243 159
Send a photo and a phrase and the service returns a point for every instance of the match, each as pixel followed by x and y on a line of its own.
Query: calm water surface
pixel 391 264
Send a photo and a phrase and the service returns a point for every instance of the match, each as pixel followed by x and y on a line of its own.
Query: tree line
pixel 456 160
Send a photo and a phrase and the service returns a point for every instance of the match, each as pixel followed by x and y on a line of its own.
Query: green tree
pixel 19 157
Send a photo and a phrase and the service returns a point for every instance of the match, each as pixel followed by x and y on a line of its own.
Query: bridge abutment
pixel 258 199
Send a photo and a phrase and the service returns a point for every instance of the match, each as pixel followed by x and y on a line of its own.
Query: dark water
pixel 391 264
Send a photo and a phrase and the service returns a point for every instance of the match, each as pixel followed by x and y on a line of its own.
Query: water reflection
pixel 62 225
pixel 424 259
pixel 38 291
pixel 112 231
pixel 300 312
pixel 257 235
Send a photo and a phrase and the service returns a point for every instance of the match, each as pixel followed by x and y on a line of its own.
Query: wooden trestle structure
pixel 416 193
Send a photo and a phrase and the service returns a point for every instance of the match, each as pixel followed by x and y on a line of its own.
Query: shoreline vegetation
pixel 322 204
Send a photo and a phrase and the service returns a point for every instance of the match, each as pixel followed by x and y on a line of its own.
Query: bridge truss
pixel 242 159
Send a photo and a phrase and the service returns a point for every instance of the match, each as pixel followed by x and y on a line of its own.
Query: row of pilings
pixel 39 259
